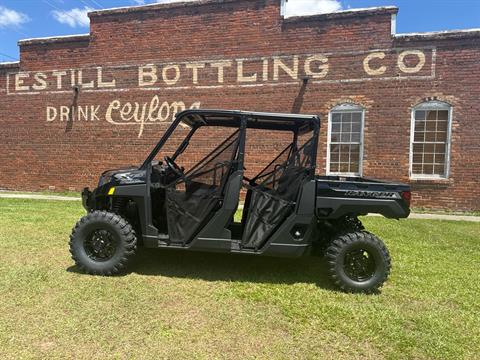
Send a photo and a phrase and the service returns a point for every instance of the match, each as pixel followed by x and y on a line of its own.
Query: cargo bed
pixel 337 196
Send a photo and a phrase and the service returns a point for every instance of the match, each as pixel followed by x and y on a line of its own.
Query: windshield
pixel 194 134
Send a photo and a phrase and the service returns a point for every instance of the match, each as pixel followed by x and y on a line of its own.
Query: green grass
pixel 194 305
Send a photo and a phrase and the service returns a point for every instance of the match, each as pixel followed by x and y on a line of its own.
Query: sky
pixel 22 19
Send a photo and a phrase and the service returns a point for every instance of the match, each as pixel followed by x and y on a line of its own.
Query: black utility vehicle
pixel 288 210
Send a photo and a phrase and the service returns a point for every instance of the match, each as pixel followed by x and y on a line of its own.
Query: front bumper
pixel 86 198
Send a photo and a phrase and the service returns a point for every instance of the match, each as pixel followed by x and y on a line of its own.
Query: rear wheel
pixel 358 262
pixel 102 243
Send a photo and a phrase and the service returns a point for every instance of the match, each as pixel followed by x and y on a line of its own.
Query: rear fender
pixel 336 207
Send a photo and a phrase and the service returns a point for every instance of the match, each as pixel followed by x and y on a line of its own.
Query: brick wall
pixel 233 55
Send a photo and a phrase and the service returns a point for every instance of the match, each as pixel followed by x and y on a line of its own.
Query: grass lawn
pixel 194 305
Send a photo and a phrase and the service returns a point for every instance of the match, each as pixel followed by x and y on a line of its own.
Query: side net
pixel 191 200
pixel 274 198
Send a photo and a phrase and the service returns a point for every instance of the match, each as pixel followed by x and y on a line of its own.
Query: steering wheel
pixel 174 167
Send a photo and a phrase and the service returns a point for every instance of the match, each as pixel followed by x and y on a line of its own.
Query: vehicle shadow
pixel 229 267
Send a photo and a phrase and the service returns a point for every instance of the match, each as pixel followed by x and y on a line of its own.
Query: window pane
pixel 441 136
pixel 344 148
pixel 419 125
pixel 419 136
pixel 355 137
pixel 347 117
pixel 442 126
pixel 440 148
pixel 344 168
pixel 440 158
pixel 354 167
pixel 429 148
pixel 357 117
pixel 417 168
pixel 439 169
pixel 336 117
pixel 428 169
pixel 334 155
pixel 428 158
pixel 430 125
pixel 430 136
pixel 417 157
pixel 418 148
pixel 346 126
pixel 419 115
pixel 443 115
pixel 357 126
pixel 432 115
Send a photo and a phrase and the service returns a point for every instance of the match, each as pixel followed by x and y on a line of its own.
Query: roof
pixel 189 3
pixel 255 120
pixel 9 64
pixel 439 35
pixel 55 39
pixel 379 10
pixel 156 6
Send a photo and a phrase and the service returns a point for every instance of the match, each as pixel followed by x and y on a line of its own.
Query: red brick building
pixel 399 107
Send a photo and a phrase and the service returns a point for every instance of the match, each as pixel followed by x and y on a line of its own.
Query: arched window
pixel 345 140
pixel 430 140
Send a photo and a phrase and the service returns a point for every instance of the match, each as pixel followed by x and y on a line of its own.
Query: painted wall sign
pixel 120 113
pixel 239 72
pixel 342 67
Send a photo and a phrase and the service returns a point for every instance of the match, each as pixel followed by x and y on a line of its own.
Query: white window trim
pixel 339 109
pixel 431 105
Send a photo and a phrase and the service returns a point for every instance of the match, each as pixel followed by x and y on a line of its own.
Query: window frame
pixel 434 105
pixel 345 108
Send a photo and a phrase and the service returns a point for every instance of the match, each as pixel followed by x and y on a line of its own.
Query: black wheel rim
pixel 359 265
pixel 100 245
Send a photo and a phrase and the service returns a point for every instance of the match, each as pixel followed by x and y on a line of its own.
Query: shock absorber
pixel 118 205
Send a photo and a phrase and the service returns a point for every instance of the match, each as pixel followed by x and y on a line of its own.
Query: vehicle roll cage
pixel 194 118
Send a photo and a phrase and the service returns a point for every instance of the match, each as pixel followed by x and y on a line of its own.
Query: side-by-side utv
pixel 288 211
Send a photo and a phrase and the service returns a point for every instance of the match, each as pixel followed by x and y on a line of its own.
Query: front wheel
pixel 358 262
pixel 102 243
